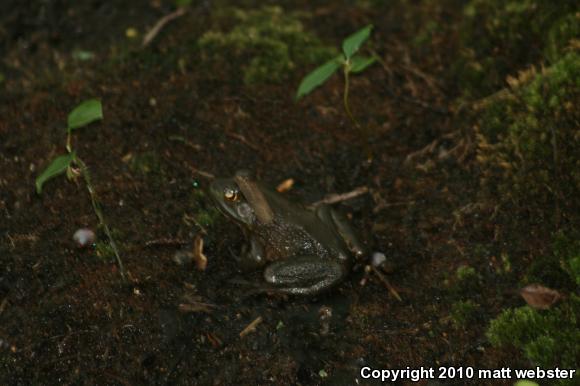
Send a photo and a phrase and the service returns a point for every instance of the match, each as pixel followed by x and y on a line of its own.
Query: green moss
pixel 426 33
pixel 265 44
pixel 567 252
pixel 466 280
pixel 547 270
pixel 104 250
pixel 500 37
pixel 547 338
pixel 530 136
pixel 145 163
pixel 466 273
pixel 463 313
pixel 561 35
pixel 204 211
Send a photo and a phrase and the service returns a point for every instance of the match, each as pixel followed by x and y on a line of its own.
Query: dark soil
pixel 66 317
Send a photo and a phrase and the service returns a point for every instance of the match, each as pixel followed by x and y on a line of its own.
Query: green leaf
pixel 358 63
pixel 351 44
pixel 58 166
pixel 85 113
pixel 317 77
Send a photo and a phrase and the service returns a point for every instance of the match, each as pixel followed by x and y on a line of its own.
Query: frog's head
pixel 230 200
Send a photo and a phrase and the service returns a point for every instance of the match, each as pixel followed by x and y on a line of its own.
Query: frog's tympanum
pixel 302 252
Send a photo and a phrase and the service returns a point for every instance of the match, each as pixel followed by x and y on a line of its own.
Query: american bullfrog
pixel 302 251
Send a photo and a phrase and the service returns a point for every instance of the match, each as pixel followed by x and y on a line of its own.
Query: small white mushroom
pixel 84 237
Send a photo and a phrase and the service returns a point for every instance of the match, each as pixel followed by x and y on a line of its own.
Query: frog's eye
pixel 231 194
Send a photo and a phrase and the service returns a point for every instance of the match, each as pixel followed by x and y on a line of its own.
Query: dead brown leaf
pixel 199 258
pixel 540 297
pixel 285 185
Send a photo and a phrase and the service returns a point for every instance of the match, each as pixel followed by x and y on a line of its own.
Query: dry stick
pixel 243 140
pixel 380 207
pixel 334 198
pixel 425 77
pixel 153 32
pixel 165 242
pixel 251 327
pixel 384 280
pixel 99 213
pixel 196 307
pixel 202 173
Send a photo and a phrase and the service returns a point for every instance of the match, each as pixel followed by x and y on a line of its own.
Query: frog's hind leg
pixel 303 275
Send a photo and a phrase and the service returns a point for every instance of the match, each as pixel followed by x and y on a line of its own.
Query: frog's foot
pixel 303 275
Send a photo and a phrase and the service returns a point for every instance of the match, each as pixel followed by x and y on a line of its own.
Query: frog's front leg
pixel 304 275
pixel 253 257
pixel 341 224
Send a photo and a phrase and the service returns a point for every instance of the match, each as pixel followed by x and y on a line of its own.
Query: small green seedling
pixel 87 112
pixel 349 60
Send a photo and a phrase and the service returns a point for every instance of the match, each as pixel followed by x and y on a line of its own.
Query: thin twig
pixel 202 173
pixel 153 32
pixel 251 327
pixel 386 283
pixel 196 307
pixel 335 198
pixel 164 242
pixel 421 152
pixel 243 140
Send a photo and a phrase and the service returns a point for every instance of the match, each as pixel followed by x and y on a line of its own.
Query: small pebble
pixel 378 259
pixel 84 237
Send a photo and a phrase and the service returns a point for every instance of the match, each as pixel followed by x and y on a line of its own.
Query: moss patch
pixel 529 136
pixel 467 280
pixel 463 313
pixel 547 338
pixel 268 43
pixel 499 37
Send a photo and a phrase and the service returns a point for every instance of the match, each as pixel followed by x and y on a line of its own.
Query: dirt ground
pixel 170 123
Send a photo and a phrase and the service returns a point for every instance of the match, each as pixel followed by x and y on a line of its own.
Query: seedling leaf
pixel 317 77
pixel 85 113
pixel 358 63
pixel 58 166
pixel 351 44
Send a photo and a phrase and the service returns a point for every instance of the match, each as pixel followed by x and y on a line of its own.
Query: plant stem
pixel 99 213
pixel 363 131
pixel 68 146
pixel 345 99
